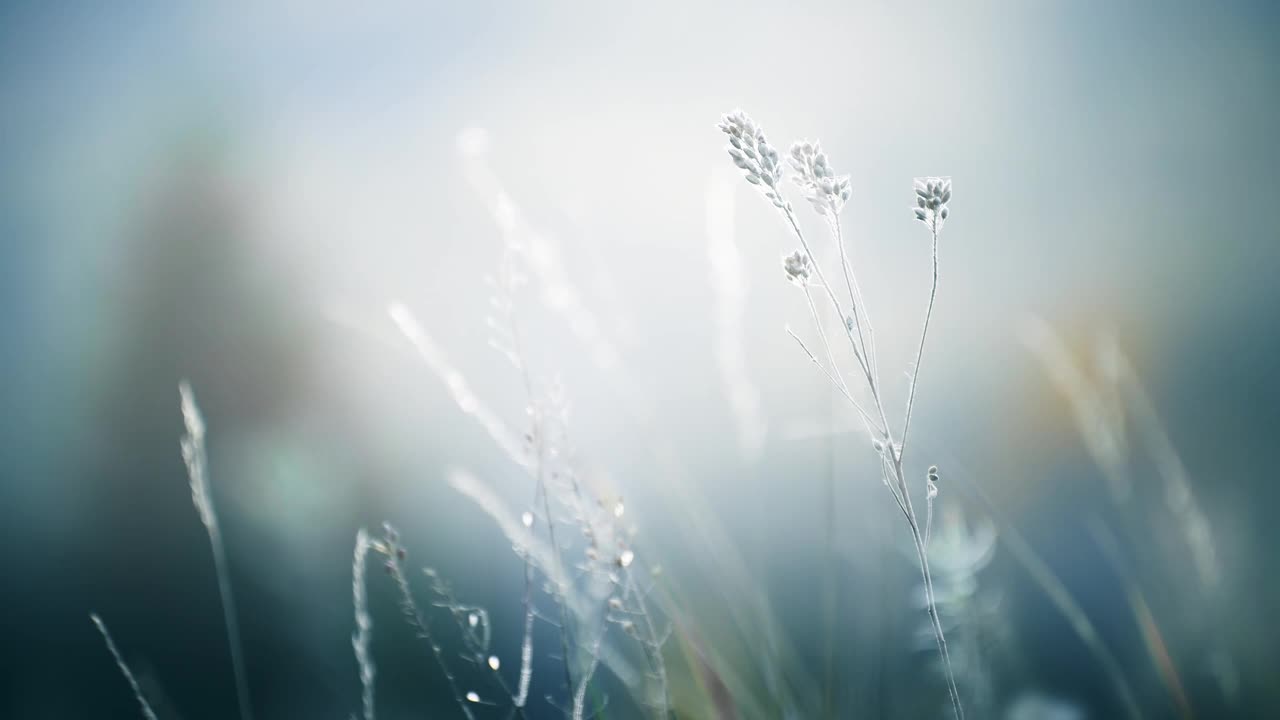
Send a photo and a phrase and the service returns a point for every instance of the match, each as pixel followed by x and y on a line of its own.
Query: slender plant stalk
pixel 196 458
pixel 922 556
pixel 866 417
pixel 232 622
pixel 363 637
pixel 922 541
pixel 836 375
pixel 562 601
pixel 855 299
pixel 928 522
pixel 580 695
pixel 147 712
pixel 924 333
pixel 526 643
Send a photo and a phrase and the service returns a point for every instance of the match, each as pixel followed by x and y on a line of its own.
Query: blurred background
pixel 233 193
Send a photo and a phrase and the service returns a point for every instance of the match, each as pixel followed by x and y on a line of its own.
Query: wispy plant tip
pixel 797 267
pixel 825 190
pixel 194 455
pixel 753 154
pixel 932 196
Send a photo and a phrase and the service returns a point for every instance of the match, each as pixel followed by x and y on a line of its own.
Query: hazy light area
pixel 315 212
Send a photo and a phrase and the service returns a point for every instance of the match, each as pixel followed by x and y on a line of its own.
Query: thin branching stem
pixel 898 485
pixel 860 313
pixel 789 214
pixel 654 644
pixel 414 616
pixel 866 417
pixel 826 346
pixel 887 478
pixel 540 489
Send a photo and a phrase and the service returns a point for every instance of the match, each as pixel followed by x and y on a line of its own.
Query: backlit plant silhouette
pixel 827 193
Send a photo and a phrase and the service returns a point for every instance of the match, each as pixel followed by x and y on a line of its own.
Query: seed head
pixel 826 191
pixel 932 196
pixel 797 266
pixel 753 154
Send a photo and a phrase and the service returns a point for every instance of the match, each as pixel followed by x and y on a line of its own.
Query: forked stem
pixel 895 451
pixel 759 162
